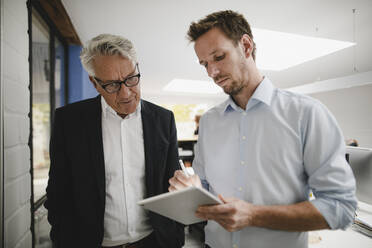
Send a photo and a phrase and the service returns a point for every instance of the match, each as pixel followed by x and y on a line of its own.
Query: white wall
pixel 15 75
pixel 352 108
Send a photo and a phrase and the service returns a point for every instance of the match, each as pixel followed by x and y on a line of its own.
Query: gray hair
pixel 106 45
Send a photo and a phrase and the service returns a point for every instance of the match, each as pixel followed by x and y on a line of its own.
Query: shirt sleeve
pixel 330 176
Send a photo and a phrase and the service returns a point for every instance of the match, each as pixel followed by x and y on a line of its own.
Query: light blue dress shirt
pixel 273 153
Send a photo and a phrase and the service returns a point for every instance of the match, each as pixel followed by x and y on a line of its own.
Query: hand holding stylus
pixel 189 171
pixel 184 178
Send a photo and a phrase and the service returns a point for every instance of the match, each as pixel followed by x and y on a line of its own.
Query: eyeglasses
pixel 116 86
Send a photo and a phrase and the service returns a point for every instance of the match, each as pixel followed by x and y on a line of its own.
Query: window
pixel 59 83
pixel 187 121
pixel 185 118
pixel 41 105
pixel 48 53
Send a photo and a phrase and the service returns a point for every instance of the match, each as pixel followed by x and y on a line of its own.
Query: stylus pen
pixel 184 168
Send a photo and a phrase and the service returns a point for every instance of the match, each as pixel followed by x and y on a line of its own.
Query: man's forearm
pixel 301 216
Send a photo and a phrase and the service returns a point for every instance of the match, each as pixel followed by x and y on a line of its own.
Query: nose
pixel 213 71
pixel 124 91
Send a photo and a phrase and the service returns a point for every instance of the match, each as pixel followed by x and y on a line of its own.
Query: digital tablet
pixel 180 205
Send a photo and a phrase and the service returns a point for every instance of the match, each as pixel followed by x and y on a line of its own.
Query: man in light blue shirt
pixel 263 150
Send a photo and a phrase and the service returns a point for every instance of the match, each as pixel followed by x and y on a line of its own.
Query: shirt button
pixel 242 162
pixel 240 189
pixel 235 246
pixel 244 113
pixel 243 137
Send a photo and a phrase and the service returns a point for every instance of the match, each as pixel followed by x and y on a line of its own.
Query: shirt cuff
pixel 205 184
pixel 336 214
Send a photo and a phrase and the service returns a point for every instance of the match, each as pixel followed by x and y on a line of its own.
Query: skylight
pixel 278 51
pixel 192 86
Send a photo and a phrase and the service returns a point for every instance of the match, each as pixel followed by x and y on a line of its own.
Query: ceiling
pixel 158 30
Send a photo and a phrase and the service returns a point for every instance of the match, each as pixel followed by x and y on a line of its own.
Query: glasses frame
pixel 104 86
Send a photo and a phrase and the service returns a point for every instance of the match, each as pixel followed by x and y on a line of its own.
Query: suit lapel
pixel 94 131
pixel 153 145
pixel 148 140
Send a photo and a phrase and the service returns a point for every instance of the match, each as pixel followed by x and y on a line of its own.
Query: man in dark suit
pixel 109 152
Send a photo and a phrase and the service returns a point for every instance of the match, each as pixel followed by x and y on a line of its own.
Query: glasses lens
pixel 132 81
pixel 111 88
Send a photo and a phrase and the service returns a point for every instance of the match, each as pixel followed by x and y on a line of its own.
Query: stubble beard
pixel 236 86
pixel 234 89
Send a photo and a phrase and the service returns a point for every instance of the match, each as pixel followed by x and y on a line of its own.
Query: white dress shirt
pixel 124 220
pixel 273 153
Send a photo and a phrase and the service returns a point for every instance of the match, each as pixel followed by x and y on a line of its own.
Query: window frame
pixel 53 35
pixel 1 131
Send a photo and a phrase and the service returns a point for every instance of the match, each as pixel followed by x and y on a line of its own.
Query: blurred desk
pixel 340 239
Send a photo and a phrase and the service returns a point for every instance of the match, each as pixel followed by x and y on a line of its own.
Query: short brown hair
pixel 231 23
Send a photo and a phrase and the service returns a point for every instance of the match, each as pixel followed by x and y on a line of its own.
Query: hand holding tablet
pixel 185 196
pixel 180 205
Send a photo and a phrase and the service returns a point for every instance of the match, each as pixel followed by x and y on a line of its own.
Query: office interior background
pixel 321 48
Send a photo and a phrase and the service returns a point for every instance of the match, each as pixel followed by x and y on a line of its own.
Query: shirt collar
pixel 107 109
pixel 263 93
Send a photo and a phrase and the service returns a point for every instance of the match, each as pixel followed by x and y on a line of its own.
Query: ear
pixel 247 45
pixel 91 79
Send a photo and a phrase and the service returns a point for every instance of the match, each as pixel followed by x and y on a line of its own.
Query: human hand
pixel 234 214
pixel 180 181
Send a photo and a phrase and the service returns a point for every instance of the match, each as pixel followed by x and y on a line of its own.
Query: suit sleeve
pixel 57 161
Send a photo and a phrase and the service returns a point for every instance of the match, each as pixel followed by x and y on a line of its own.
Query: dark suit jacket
pixel 76 186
